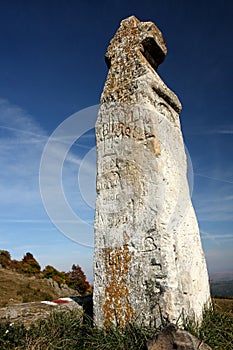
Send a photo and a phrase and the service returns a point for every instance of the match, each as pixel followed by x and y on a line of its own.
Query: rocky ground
pixel 31 313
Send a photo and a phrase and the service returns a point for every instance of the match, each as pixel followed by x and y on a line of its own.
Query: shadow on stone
pixel 87 304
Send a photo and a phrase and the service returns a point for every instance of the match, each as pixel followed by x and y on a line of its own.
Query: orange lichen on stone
pixel 117 308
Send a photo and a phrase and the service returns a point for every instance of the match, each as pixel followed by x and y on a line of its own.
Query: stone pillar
pixel 148 257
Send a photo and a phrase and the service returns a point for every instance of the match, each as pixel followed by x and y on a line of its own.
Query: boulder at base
pixel 171 338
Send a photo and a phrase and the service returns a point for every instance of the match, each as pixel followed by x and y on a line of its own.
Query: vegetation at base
pixel 66 331
pixel 216 329
pixel 29 266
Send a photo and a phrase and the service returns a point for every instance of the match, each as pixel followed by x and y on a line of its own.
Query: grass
pixel 66 331
pixel 217 326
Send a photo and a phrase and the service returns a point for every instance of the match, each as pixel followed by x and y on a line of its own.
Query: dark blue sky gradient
pixel 52 53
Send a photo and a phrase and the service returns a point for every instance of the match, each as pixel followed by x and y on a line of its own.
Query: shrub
pixel 5 259
pixel 51 272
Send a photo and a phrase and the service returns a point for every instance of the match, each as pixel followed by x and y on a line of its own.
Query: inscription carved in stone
pixel 148 254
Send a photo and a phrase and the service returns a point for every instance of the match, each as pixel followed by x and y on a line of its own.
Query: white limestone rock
pixel 148 256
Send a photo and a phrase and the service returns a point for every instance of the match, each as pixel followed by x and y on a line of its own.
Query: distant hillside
pixel 18 288
pixel 221 276
pixel 221 284
pixel 222 288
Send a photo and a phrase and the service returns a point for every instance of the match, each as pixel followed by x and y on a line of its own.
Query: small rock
pixel 171 338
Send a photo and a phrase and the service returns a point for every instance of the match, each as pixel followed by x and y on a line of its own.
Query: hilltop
pixel 17 288
pixel 24 281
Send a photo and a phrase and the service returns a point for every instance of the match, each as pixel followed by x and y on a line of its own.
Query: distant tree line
pixel 75 278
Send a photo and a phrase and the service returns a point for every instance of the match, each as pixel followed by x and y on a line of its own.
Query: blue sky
pixel 52 66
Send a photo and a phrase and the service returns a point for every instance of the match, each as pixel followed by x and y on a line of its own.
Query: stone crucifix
pixel 148 257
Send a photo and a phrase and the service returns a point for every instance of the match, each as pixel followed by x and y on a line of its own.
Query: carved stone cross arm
pixel 134 36
pixel 137 49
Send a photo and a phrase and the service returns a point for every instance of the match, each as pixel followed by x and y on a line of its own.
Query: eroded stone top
pixel 136 51
pixel 135 37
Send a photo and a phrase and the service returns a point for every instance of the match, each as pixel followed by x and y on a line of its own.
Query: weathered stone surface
pixel 62 289
pixel 173 338
pixel 148 256
pixel 31 313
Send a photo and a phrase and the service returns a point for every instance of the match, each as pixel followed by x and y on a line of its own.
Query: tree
pixel 28 265
pixel 5 259
pixel 76 279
